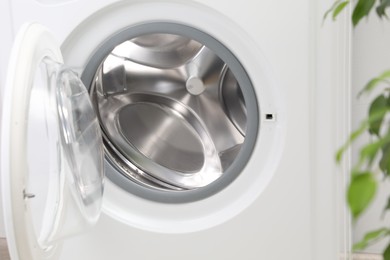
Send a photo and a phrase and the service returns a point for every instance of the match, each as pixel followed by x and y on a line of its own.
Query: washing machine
pixel 172 129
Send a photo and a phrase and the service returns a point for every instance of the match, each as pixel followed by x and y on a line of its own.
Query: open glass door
pixel 51 150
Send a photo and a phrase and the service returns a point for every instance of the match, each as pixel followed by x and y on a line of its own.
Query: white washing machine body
pixel 285 201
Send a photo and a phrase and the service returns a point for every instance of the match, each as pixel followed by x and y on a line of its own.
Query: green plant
pixel 374 156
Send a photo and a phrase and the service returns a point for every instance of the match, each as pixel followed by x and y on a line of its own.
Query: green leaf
pixel 384 163
pixel 370 151
pixel 339 8
pixel 355 134
pixel 378 107
pixel 386 208
pixel 330 10
pixel 386 253
pixel 362 8
pixel 373 117
pixel 371 238
pixel 375 81
pixel 361 191
pixel 381 9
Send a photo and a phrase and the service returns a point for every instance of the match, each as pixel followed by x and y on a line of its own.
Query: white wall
pixel 371 56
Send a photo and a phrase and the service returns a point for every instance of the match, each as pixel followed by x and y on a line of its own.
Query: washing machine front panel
pixel 52 156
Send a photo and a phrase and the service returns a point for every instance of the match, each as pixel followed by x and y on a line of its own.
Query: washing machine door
pixel 51 149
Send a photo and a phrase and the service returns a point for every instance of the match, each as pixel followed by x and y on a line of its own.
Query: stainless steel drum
pixel 172 111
